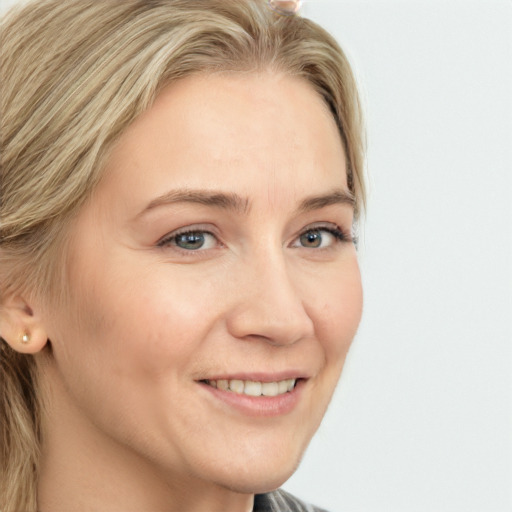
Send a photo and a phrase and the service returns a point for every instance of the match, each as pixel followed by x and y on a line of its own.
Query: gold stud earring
pixel 25 338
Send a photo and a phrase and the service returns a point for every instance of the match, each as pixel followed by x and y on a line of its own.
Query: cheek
pixel 336 306
pixel 339 311
pixel 125 348
pixel 149 330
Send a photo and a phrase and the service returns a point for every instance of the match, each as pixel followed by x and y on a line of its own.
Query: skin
pixel 128 426
pixel 286 5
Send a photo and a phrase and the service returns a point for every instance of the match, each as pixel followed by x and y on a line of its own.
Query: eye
pixel 311 239
pixel 190 240
pixel 320 238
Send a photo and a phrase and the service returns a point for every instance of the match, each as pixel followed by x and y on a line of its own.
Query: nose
pixel 269 305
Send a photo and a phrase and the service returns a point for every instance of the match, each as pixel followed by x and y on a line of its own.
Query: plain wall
pixel 422 419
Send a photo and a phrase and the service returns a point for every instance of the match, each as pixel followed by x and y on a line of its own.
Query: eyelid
pixel 167 239
pixel 342 235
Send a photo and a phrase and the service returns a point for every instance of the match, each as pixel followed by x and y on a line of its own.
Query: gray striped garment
pixel 281 501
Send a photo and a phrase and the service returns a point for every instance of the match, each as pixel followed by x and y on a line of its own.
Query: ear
pixel 20 327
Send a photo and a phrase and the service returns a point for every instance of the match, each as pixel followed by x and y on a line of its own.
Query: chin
pixel 252 482
pixel 259 473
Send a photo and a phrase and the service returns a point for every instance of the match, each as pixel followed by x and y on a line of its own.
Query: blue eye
pixel 191 240
pixel 320 238
pixel 311 239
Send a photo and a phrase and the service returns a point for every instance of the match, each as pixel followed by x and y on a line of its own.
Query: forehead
pixel 232 129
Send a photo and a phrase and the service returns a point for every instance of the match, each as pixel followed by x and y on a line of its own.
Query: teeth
pixel 236 385
pixel 222 384
pixel 252 388
pixel 270 389
pixel 282 387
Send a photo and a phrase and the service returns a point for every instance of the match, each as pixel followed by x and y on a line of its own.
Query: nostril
pixel 268 307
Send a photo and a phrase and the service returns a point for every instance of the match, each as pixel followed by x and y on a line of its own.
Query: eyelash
pixel 171 239
pixel 341 235
pixel 338 233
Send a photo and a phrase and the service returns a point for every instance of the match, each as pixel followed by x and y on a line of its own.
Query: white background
pixel 422 419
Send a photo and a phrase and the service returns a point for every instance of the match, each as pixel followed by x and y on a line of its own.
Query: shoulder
pixel 281 501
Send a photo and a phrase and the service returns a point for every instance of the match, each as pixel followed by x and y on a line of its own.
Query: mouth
pixel 270 397
pixel 253 388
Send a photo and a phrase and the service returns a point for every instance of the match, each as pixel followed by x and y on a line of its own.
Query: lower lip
pixel 259 405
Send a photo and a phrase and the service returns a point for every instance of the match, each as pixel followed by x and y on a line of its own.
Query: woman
pixel 179 281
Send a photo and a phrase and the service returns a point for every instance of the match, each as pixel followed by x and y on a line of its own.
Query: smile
pixel 253 388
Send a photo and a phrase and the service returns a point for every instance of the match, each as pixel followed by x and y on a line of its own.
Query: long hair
pixel 74 75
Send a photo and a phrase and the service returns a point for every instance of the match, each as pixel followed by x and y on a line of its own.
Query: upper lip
pixel 259 376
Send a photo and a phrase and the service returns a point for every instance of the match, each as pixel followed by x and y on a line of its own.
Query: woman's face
pixel 215 253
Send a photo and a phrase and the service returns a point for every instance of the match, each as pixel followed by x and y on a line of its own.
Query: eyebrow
pixel 222 200
pixel 338 196
pixel 236 203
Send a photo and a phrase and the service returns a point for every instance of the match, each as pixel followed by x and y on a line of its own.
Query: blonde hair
pixel 75 74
